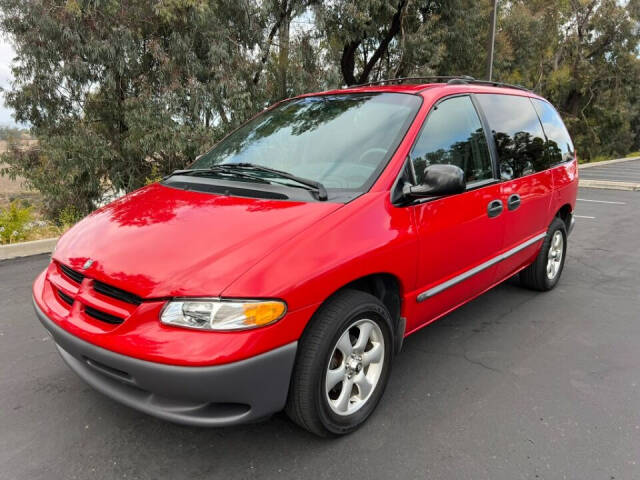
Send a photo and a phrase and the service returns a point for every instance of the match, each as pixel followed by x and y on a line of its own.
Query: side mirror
pixel 438 180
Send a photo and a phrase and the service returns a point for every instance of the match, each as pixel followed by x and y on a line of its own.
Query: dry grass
pixel 11 190
pixel 14 189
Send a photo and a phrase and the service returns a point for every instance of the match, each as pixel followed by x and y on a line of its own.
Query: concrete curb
pixel 607 162
pixel 25 249
pixel 609 185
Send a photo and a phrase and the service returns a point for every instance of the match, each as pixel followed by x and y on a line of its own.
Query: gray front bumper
pixel 220 395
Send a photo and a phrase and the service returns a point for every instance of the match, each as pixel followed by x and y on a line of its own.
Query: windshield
pixel 342 141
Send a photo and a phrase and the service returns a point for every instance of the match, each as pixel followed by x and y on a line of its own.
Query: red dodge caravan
pixel 283 269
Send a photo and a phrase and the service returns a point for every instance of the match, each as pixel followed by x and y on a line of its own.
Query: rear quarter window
pixel 559 144
pixel 517 132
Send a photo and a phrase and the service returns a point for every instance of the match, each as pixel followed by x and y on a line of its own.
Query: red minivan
pixel 283 269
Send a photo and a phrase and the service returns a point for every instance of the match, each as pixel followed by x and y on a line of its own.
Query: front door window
pixel 453 134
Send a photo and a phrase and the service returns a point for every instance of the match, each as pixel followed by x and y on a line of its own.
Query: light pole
pixel 492 40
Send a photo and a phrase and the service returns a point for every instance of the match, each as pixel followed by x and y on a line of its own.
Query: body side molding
pixel 477 269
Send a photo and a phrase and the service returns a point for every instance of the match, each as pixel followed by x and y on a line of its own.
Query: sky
pixel 6 54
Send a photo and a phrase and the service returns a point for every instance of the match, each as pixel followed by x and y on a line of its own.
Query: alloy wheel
pixel 354 367
pixel 554 258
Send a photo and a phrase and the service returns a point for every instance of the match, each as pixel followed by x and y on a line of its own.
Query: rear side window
pixel 517 132
pixel 452 134
pixel 559 144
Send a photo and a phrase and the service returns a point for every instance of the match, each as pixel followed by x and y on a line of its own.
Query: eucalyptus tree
pixel 583 56
pixel 119 92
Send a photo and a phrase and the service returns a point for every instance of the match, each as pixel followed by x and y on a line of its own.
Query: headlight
pixel 215 314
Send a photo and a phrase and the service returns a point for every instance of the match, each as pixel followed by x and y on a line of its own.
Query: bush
pixel 68 216
pixel 15 222
pixel 80 168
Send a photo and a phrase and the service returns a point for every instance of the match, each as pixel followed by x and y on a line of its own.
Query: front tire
pixel 342 366
pixel 544 273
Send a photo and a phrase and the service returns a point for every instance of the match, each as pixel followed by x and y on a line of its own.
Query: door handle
pixel 513 201
pixel 494 208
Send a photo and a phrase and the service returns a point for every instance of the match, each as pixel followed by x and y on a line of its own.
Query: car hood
pixel 162 242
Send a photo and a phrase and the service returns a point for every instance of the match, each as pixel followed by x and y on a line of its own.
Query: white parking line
pixel 625 175
pixel 601 201
pixel 583 216
pixel 617 170
pixel 606 175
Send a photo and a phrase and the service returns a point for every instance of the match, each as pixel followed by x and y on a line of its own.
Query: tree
pixel 583 56
pixel 120 92
pixel 373 40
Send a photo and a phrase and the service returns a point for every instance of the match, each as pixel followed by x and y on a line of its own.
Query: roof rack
pixel 450 80
pixel 499 84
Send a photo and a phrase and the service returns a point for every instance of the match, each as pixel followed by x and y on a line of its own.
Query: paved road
pixel 514 385
pixel 614 172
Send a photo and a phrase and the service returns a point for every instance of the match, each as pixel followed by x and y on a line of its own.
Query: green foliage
pixel 584 57
pixel 120 92
pixel 68 216
pixel 14 222
pixel 154 175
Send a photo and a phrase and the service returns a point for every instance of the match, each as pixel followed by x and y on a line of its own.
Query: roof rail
pixel 450 79
pixel 500 84
pixel 404 79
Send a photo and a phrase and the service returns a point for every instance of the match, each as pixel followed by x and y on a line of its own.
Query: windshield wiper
pixel 215 169
pixel 317 186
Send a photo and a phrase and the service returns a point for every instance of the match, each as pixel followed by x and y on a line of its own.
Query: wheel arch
pixel 387 288
pixel 564 213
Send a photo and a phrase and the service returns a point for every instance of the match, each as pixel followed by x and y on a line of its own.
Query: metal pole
pixel 492 40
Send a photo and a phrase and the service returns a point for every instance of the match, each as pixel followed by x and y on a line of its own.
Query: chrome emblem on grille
pixel 87 264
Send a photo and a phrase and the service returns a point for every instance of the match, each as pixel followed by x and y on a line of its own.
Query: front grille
pixel 108 310
pixel 116 293
pixel 72 274
pixel 103 316
pixel 65 298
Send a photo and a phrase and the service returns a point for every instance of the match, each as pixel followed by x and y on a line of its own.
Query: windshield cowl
pixel 273 176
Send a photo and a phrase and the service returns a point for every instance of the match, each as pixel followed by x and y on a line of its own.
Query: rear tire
pixel 544 273
pixel 342 365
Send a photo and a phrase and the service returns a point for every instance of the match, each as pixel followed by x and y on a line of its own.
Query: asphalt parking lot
pixel 617 172
pixel 514 385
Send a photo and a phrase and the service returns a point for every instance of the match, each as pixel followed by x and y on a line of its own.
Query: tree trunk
pixel 394 29
pixel 283 54
pixel 347 62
